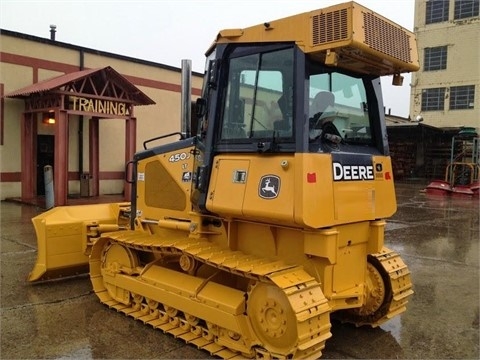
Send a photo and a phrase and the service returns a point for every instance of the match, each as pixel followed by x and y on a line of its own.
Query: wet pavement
pixel 437 237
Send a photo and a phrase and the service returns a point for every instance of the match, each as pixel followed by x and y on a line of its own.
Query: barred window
pixel 437 11
pixel 465 9
pixel 433 99
pixel 462 97
pixel 435 58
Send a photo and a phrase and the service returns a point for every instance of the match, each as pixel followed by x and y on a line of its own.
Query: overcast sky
pixel 167 31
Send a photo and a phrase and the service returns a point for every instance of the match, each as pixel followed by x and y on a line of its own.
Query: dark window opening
pixel 437 11
pixel 462 97
pixel 465 9
pixel 435 58
pixel 433 99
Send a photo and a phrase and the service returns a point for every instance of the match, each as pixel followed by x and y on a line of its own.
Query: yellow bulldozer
pixel 246 235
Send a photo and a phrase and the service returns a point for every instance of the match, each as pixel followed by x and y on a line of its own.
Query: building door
pixel 45 156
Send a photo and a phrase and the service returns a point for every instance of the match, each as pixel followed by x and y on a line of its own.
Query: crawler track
pixel 282 312
pixel 399 280
pixel 389 297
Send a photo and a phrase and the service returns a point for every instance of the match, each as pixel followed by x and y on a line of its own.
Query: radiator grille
pixel 330 26
pixel 386 38
pixel 161 190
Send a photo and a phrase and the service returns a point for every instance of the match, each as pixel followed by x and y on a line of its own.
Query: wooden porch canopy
pixel 96 93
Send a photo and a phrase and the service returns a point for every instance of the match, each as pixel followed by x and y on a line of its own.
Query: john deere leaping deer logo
pixel 269 187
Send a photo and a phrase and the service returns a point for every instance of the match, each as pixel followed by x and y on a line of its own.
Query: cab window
pixel 258 102
pixel 339 100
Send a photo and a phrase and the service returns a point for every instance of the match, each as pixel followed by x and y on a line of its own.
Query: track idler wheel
pixel 118 259
pixel 378 293
pixel 269 312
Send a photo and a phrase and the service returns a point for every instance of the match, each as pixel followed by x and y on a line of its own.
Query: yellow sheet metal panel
pixel 259 187
pixel 347 35
pixel 377 236
pixel 164 184
pixel 361 200
pixel 354 201
pixel 271 189
pixel 298 190
pixel 351 254
pixel 385 200
pixel 229 179
pixel 322 243
pixel 314 190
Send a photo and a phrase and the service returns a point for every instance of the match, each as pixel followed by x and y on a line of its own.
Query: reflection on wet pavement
pixel 437 237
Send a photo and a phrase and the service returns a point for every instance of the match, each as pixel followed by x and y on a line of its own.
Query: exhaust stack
pixel 186 96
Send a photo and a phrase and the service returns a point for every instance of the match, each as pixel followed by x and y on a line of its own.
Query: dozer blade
pixel 62 238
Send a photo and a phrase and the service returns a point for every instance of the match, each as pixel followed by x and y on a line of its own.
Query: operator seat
pixel 323 128
pixel 320 102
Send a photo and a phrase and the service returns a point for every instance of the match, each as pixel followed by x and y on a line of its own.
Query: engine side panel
pixel 164 182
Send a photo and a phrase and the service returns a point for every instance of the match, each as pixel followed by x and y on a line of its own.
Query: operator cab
pixel 275 98
pixel 278 99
